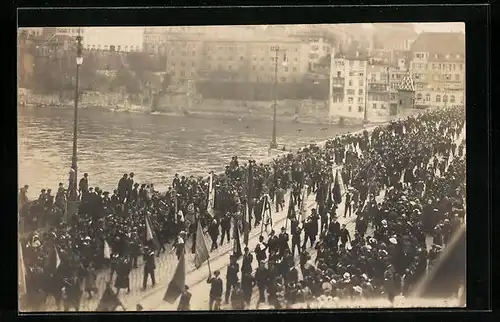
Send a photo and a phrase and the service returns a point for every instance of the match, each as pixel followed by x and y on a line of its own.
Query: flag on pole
pixel 266 209
pixel 237 243
pixel 58 259
pixel 178 282
pixel 337 196
pixel 21 272
pixel 211 196
pixel 150 236
pixel 202 253
pixel 303 204
pixel 291 208
pixel 107 250
pixel 247 222
pixel 109 300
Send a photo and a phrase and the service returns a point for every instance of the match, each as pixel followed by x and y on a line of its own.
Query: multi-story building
pixel 394 36
pixel 438 67
pixel 349 70
pixel 378 88
pixel 120 39
pixel 184 55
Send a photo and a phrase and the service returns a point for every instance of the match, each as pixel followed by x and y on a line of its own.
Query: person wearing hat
pixel 246 265
pixel 185 300
pixel 237 298
pixel 225 225
pixel 231 276
pixel 262 280
pixel 149 267
pixel 122 188
pixel 345 236
pixel 83 186
pixel 296 230
pixel 134 194
pixel 348 206
pixel 334 230
pixel 213 232
pixel 130 185
pixel 215 291
pixel 283 242
pixel 123 275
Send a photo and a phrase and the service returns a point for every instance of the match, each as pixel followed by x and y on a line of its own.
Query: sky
pixel 419 27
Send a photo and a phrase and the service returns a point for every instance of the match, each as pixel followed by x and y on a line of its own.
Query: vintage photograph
pixel 242 167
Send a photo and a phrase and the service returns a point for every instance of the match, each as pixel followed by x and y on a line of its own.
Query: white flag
pixel 107 250
pixel 211 197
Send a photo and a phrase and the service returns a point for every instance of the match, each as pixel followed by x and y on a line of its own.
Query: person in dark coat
pixel 262 279
pixel 295 230
pixel 283 242
pixel 122 275
pixel 231 276
pixel 213 231
pixel 130 185
pixel 334 230
pixel 149 267
pixel 344 235
pixel 237 298
pixel 83 186
pixel 72 292
pixel 246 265
pixel 247 285
pixel 348 206
pixel 215 291
pixel 185 300
pixel 225 225
pixel 122 188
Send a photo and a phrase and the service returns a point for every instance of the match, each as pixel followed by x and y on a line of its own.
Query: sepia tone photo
pixel 259 167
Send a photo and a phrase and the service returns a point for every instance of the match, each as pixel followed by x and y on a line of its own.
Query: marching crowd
pixel 408 159
pixel 421 169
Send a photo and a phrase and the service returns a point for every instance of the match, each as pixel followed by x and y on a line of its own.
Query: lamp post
pixel 73 176
pixel 274 144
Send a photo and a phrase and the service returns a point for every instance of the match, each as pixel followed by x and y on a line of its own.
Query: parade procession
pixel 363 216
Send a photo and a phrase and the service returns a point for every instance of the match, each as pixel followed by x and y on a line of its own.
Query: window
pixel 241 57
pixel 360 92
pixel 374 106
pixel 400 102
pixel 361 83
pixel 438 98
pixel 419 97
pixel 350 108
pixel 360 108
pixel 447 76
pixel 360 74
pixel 445 98
pixel 461 66
pixel 338 74
pixel 254 67
pixel 286 69
pixel 350 92
pixel 283 79
pixel 457 77
pixel 350 82
pixel 427 97
pixel 261 67
pixel 452 98
pixel 183 74
pixel 350 100
pixel 360 100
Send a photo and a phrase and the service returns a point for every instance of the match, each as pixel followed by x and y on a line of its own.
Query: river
pixel 154 147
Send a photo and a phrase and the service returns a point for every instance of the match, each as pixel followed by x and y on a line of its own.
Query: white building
pixel 122 39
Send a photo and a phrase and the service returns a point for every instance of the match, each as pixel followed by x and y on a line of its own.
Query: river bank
pixel 289 111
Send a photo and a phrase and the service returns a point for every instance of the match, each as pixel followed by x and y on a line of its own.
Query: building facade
pixel 120 39
pixel 438 68
pixel 349 81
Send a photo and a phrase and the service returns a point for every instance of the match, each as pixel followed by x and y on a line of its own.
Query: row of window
pixel 350 100
pixel 353 92
pixel 361 83
pixel 286 69
pixel 360 108
pixel 437 56
pixel 419 97
pixel 435 66
pixel 113 47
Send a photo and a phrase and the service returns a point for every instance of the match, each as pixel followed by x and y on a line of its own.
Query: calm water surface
pixel 154 147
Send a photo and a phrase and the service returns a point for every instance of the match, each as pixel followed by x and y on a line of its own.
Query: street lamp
pixel 274 144
pixel 73 172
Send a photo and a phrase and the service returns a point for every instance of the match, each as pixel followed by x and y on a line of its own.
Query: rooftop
pixel 440 42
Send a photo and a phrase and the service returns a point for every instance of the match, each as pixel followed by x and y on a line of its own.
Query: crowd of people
pixel 405 180
pixel 408 159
